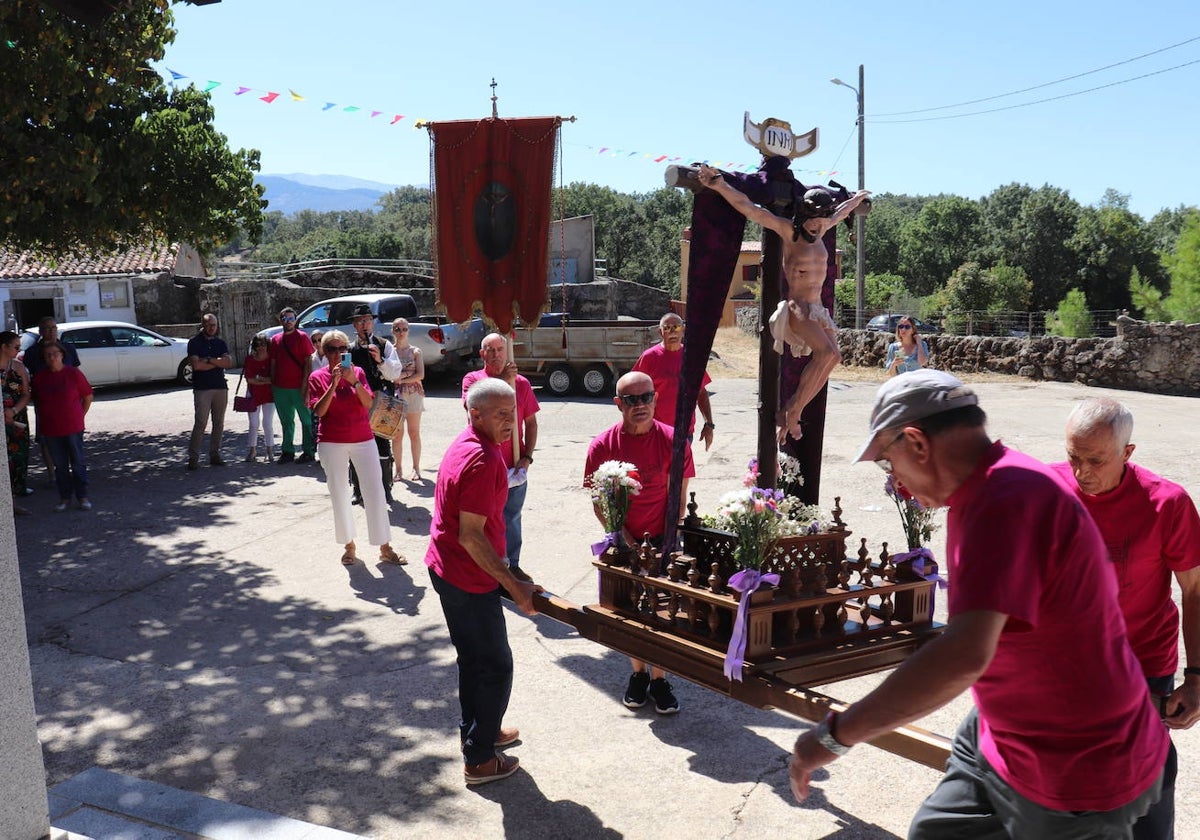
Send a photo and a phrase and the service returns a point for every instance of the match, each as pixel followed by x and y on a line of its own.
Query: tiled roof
pixel 144 260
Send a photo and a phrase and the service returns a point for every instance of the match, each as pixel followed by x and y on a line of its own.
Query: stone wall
pixel 1144 356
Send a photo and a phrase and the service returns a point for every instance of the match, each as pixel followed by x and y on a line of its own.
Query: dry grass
pixel 735 356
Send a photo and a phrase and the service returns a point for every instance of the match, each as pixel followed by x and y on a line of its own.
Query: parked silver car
pixel 116 353
pixel 443 346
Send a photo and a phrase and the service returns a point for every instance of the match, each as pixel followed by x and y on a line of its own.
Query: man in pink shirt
pixel 645 442
pixel 494 352
pixel 663 363
pixel 467 567
pixel 291 363
pixel 1152 531
pixel 1065 742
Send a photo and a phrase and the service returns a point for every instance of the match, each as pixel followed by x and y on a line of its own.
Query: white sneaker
pixel 84 504
pixel 60 507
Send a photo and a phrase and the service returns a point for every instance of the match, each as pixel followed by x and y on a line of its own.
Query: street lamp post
pixel 860 219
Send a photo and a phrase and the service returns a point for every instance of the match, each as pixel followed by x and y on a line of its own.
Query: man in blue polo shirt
pixel 210 358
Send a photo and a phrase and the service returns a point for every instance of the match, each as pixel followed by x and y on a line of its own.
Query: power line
pixel 1039 101
pixel 1036 87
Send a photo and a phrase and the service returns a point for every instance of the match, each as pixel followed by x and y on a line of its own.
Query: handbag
pixel 245 403
pixel 387 414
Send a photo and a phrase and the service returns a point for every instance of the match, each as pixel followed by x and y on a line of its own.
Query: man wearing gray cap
pixel 1064 741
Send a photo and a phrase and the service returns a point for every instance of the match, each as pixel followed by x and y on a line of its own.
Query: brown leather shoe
pixel 507 735
pixel 493 770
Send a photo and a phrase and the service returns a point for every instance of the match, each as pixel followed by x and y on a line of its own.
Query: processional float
pixel 833 616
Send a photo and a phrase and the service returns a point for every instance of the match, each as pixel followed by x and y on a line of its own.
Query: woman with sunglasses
pixel 338 393
pixel 908 352
pixel 409 388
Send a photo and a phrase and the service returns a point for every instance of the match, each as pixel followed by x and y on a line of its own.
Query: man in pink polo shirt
pixel 1065 742
pixel 1152 531
pixel 663 363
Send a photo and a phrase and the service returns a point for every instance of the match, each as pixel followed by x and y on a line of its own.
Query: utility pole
pixel 860 218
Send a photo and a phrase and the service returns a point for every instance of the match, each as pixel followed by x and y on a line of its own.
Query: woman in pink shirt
pixel 338 393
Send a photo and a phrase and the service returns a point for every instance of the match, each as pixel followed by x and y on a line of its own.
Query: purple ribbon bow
pixel 745 581
pixel 611 540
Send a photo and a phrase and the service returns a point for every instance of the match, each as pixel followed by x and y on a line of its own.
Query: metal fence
pixel 285 271
pixel 985 323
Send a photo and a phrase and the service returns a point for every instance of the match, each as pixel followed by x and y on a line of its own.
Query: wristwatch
pixel 824 733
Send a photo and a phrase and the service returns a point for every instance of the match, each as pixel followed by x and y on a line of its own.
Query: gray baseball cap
pixel 909 397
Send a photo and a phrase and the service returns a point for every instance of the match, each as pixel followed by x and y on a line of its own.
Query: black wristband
pixel 1191 672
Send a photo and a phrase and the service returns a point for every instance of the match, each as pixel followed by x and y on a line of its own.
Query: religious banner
pixel 491 206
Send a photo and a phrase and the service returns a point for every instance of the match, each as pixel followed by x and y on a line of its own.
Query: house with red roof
pixel 123 286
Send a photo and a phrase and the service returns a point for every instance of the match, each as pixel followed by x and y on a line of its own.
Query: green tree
pixel 98 152
pixel 1029 229
pixel 1183 303
pixel 1146 299
pixel 946 233
pixel 1111 241
pixel 1072 319
pixel 879 292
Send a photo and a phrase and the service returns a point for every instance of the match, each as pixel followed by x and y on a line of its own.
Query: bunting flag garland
pixel 655 158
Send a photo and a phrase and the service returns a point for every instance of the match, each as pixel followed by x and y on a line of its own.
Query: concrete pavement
pixel 197 631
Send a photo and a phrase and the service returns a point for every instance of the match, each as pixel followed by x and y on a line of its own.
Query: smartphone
pixel 346 361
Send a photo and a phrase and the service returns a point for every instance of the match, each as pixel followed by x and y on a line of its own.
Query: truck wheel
pixel 560 380
pixel 595 380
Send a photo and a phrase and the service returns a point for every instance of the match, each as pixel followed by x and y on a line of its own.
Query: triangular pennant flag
pixel 175 76
pixel 660 158
pixel 375 114
pixel 603 149
pixel 329 105
pixel 396 119
pixel 295 96
pixel 242 90
pixel 270 97
pixel 352 108
pixel 211 85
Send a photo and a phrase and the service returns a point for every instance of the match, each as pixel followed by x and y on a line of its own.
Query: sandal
pixel 349 558
pixel 389 555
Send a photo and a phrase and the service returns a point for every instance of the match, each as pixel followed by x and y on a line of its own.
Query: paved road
pixel 197 630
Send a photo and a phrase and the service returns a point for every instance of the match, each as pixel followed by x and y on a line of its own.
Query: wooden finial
pixel 493 86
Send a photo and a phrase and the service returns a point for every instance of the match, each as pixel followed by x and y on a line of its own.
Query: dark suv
pixel 887 324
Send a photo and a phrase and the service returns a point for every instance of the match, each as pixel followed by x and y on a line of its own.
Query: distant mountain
pixel 321 193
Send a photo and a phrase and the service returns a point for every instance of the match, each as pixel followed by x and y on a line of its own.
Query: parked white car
pixel 116 353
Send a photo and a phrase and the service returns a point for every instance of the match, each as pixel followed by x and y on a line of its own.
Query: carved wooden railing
pixel 824 598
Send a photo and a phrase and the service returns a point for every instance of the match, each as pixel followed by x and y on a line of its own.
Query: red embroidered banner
pixel 491 196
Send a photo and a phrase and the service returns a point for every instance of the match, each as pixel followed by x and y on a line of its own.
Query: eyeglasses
pixel 287 319
pixel 672 328
pixel 636 399
pixel 904 326
pixel 885 464
pixel 399 329
pixel 336 348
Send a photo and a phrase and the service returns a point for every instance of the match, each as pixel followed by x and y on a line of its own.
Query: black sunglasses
pixel 636 399
pixel 336 348
pixel 904 326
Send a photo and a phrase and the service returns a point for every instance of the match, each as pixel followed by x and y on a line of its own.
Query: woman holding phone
pixel 908 352
pixel 338 393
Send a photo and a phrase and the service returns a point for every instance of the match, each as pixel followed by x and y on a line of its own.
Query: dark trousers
pixel 485 665
pixel 1159 821
pixel 70 468
pixel 972 802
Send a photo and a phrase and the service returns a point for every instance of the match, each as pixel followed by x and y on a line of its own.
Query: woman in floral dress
pixel 14 382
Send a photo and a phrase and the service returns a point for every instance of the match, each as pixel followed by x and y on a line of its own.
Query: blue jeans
pixel 512 523
pixel 70 469
pixel 485 665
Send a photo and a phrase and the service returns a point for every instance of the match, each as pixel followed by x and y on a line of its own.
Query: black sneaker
pixel 357 500
pixel 664 701
pixel 286 458
pixel 635 692
pixel 306 458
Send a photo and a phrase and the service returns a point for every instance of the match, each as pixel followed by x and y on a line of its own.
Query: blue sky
pixel 674 79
